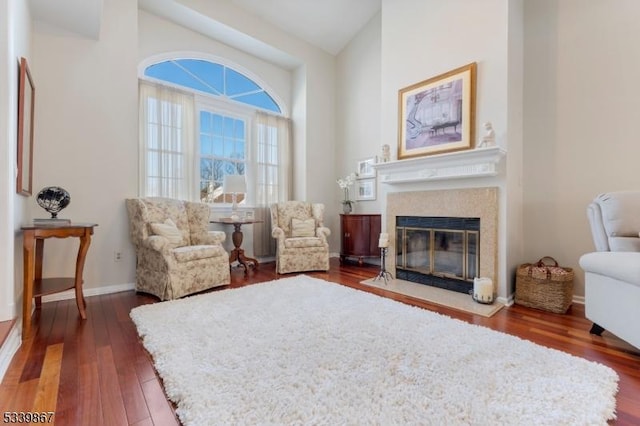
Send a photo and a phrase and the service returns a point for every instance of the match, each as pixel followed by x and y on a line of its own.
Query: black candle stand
pixel 383 274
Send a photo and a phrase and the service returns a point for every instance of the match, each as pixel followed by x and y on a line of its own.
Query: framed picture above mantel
pixel 438 115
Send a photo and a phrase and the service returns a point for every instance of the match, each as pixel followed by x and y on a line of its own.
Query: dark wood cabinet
pixel 359 235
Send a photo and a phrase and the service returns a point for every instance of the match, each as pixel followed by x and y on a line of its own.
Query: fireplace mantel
pixel 479 162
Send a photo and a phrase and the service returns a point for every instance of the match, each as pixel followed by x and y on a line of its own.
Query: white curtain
pixel 273 175
pixel 166 143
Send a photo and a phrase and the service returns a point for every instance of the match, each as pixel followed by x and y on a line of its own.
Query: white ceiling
pixel 78 16
pixel 327 24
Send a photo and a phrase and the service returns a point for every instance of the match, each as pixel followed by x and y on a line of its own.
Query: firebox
pixel 438 251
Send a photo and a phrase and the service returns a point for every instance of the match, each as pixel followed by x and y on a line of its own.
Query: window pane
pixel 240 151
pixel 228 148
pixel 171 72
pixel 239 129
pixel 207 72
pixel 218 170
pixel 228 127
pixel 206 145
pixel 229 168
pixel 217 124
pixel 238 83
pixel 261 100
pixel 206 169
pixel 205 122
pixel 218 146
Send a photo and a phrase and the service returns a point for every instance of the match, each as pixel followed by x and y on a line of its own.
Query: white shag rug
pixel 304 351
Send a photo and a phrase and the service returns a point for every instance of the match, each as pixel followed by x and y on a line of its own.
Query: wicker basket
pixel 544 286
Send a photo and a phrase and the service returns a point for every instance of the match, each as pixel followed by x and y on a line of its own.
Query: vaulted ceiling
pixel 327 24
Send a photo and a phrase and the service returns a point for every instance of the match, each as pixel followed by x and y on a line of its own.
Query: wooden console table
pixel 237 254
pixel 35 286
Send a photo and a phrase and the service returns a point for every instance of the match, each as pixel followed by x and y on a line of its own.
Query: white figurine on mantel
pixel 386 153
pixel 489 139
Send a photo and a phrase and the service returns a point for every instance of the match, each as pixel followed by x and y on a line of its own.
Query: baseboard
pixel 578 299
pixel 506 301
pixel 92 291
pixel 10 347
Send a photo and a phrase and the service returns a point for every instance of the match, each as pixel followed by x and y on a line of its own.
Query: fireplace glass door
pixel 445 253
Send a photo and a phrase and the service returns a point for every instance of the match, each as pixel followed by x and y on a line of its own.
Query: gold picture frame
pixel 26 110
pixel 438 115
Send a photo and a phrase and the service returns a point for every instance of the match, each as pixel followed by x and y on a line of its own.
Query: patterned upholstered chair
pixel 176 253
pixel 301 237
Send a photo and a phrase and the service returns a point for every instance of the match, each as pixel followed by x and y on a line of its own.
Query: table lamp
pixel 234 184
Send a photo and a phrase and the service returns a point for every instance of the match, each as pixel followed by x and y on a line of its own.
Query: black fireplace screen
pixel 438 248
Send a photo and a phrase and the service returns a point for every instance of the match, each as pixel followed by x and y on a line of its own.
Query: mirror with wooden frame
pixel 26 104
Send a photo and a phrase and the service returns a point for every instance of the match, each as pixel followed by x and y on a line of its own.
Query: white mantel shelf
pixel 479 162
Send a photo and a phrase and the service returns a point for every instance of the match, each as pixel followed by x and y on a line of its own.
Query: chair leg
pixel 596 329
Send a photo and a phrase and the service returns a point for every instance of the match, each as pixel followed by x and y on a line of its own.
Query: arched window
pixel 204 129
pixel 214 79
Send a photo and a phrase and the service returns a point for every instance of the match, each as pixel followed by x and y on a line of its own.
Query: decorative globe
pixel 53 199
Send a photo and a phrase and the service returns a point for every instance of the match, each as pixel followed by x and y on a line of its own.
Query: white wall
pixel 15 42
pixel 358 84
pixel 86 138
pixel 581 115
pixel 514 208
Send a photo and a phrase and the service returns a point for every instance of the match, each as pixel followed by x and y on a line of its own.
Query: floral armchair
pixel 176 253
pixel 301 237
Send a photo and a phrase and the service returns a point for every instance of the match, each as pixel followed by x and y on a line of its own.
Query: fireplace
pixel 438 251
pixel 459 217
pixel 451 185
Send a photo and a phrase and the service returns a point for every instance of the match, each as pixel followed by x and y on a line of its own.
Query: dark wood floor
pixel 96 372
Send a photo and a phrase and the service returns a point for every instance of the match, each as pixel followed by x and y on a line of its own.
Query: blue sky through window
pixel 212 78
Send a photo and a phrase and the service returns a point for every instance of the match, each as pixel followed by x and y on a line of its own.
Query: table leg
pixel 28 271
pixel 38 266
pixel 85 241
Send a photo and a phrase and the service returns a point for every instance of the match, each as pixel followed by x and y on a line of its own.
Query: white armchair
pixel 612 273
pixel 301 237
pixel 176 254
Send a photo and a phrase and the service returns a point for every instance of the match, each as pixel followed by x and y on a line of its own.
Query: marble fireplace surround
pixel 465 202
